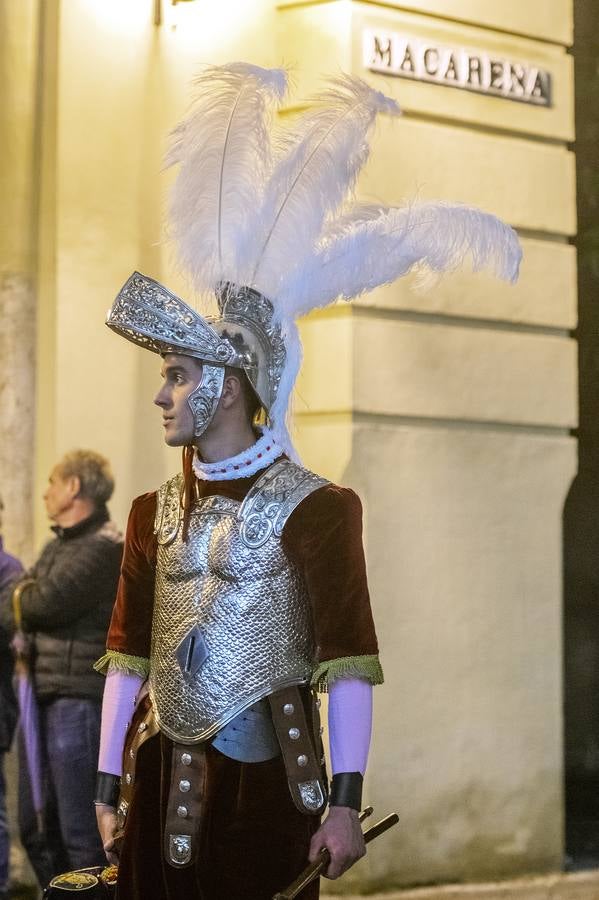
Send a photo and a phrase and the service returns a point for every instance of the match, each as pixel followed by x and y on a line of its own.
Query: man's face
pixel 59 494
pixel 181 375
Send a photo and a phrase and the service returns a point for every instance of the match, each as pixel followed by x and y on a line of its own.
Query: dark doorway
pixel 581 513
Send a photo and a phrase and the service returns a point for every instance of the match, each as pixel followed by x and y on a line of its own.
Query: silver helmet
pixel 244 336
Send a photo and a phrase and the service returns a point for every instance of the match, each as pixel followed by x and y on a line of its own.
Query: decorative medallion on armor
pixel 180 848
pixel 231 615
pixel 265 511
pixel 312 795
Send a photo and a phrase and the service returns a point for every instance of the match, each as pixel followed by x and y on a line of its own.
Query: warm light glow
pixel 130 17
pixel 213 16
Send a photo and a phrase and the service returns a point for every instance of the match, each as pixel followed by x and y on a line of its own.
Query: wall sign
pixel 472 70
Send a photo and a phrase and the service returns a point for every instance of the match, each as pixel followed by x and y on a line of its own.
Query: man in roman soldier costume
pixel 243 588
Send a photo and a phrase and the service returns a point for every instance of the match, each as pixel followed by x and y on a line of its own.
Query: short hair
pixel 251 401
pixel 93 471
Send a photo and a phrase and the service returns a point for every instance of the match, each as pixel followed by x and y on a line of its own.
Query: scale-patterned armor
pixel 231 616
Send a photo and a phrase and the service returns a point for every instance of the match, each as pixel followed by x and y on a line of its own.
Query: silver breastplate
pixel 231 616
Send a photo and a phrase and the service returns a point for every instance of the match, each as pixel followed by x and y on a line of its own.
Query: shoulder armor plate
pixel 272 499
pixel 168 509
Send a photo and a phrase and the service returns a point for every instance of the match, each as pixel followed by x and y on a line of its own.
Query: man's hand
pixel 341 834
pixel 106 818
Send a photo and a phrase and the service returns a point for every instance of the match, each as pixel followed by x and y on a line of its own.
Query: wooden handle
pixel 388 822
pixel 319 865
pixel 16 600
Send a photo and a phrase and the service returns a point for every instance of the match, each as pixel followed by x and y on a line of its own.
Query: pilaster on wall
pixel 19 123
pixel 451 413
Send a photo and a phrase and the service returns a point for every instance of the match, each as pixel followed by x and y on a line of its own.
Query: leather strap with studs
pixel 185 804
pixel 304 771
pixel 145 729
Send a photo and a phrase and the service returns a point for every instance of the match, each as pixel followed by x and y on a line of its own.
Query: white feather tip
pixel 275 81
pixel 375 100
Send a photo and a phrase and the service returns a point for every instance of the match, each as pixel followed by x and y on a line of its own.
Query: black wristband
pixel 346 790
pixel 107 789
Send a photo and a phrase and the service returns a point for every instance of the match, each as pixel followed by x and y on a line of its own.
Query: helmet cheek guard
pixel 203 400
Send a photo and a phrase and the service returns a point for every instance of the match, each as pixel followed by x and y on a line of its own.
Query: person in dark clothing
pixel 10 568
pixel 66 600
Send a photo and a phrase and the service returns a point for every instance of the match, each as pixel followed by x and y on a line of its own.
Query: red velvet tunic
pixel 254 841
pixel 323 537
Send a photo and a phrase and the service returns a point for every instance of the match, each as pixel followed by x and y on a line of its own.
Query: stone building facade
pixel 451 412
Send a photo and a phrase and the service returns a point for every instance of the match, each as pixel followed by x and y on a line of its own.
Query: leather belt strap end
pixel 144 730
pixel 185 805
pixel 304 771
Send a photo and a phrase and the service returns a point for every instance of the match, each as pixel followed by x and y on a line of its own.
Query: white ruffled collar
pixel 248 462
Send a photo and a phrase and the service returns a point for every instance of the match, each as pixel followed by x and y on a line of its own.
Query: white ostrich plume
pixel 223 151
pixel 321 160
pixel 275 211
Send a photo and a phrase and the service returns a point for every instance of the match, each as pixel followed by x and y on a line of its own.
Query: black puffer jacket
pixel 67 605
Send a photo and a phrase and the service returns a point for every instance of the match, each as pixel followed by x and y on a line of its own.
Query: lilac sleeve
pixel 120 694
pixel 350 724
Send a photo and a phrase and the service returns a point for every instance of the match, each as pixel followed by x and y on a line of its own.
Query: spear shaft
pixel 315 869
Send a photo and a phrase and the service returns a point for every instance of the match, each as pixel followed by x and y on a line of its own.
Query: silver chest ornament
pixel 231 618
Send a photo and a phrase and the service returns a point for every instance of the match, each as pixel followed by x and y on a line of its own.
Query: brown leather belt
pixel 305 776
pixel 305 772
